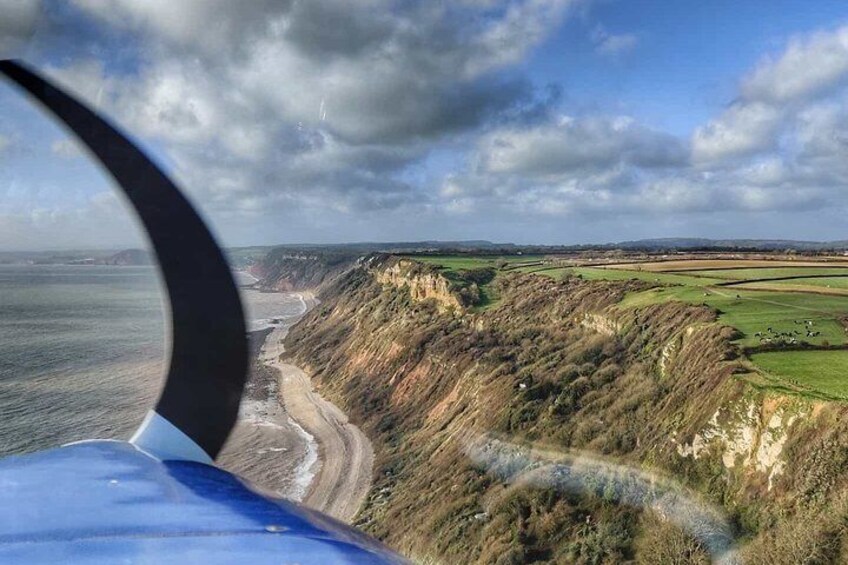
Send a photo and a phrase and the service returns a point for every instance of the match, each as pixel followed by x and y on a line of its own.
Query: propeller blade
pixel 208 366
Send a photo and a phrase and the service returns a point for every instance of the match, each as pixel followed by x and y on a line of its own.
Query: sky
pixel 526 121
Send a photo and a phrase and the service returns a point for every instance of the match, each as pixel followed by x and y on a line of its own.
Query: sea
pixel 83 355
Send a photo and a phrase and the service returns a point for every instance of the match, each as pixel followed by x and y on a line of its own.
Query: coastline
pixel 335 474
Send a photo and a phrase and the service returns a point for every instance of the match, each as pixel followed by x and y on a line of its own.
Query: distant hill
pixel 129 257
pixel 694 243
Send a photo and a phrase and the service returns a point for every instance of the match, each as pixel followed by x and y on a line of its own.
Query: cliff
pixel 285 269
pixel 420 282
pixel 559 426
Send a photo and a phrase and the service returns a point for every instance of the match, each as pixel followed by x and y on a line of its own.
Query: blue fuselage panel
pixel 107 502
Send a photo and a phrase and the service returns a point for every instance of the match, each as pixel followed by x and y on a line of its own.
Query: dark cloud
pixel 330 113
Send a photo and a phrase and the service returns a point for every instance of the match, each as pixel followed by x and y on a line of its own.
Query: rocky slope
pixel 285 270
pixel 557 426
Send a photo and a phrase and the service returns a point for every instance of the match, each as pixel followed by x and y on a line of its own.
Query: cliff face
pixel 560 367
pixel 286 270
pixel 421 284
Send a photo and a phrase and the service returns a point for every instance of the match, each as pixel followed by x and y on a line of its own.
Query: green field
pixel 769 273
pixel 823 371
pixel 757 311
pixel 595 273
pixel 599 273
pixel 458 262
pixel 452 265
pixel 820 282
pixel 750 311
pixel 753 312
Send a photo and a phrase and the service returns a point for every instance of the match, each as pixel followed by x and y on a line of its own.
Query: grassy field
pixel 754 312
pixel 822 371
pixel 827 282
pixel 720 264
pixel 454 264
pixel 598 273
pixel 769 272
pixel 458 262
pixel 784 306
pixel 825 285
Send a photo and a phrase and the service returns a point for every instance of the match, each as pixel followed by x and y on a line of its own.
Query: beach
pixel 292 441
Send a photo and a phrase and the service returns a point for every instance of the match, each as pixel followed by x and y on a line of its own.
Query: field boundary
pixel 735 282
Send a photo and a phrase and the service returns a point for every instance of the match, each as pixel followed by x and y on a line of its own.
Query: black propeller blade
pixel 208 365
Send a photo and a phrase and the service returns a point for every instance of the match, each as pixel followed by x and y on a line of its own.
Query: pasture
pixel 725 264
pixel 817 371
pixel 771 272
pixel 809 310
pixel 789 312
pixel 459 262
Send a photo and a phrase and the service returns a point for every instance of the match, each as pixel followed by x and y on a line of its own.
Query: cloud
pixel 372 71
pixel 613 45
pixel 5 142
pixel 268 107
pixel 808 67
pixel 17 24
pixel 65 148
pixel 574 145
pixel 773 95
pixel 371 119
pixel 743 129
pixel 99 222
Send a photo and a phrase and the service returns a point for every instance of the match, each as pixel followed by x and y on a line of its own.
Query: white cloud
pixel 808 67
pixel 774 95
pixel 5 142
pixel 99 222
pixel 65 148
pixel 572 146
pixel 322 102
pixel 743 129
pixel 325 115
pixel 613 45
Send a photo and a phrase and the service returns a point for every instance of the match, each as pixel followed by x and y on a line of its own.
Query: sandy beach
pixel 339 477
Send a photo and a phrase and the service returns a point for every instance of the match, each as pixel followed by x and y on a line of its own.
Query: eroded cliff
pixel 563 366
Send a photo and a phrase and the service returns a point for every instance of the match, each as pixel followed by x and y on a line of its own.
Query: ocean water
pixel 82 355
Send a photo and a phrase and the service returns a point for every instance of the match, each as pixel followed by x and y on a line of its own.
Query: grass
pixel 757 311
pixel 781 306
pixel 770 273
pixel 594 273
pixel 722 264
pixel 453 265
pixel 823 371
pixel 458 262
pixel 753 312
pixel 818 284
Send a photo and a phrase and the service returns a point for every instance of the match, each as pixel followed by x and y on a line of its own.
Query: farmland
pixel 458 268
pixel 771 272
pixel 790 312
pixel 460 262
pixel 822 371
pixel 801 311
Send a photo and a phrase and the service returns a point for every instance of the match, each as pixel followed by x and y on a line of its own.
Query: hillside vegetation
pixel 567 422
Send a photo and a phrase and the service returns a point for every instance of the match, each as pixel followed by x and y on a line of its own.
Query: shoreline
pixel 335 475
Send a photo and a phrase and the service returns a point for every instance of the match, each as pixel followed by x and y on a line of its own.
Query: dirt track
pixel 343 475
